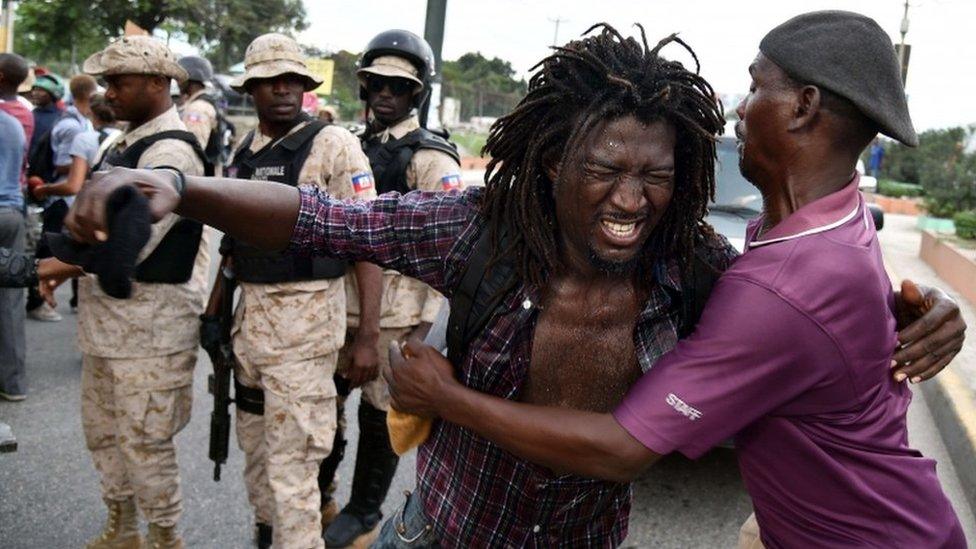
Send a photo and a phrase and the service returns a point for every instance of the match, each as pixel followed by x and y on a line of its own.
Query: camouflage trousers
pixel 284 447
pixel 375 392
pixel 129 428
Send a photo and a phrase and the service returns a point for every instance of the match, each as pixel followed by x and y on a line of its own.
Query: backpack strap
pixel 296 140
pixel 482 287
pixel 427 139
pixel 245 146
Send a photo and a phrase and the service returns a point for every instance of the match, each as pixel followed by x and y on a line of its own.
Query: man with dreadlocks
pixel 595 193
pixel 792 354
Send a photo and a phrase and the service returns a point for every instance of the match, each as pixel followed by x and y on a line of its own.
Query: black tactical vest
pixel 282 162
pixel 389 160
pixel 172 260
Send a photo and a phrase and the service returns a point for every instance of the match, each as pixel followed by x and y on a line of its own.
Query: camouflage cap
pixel 271 55
pixel 135 55
pixel 392 66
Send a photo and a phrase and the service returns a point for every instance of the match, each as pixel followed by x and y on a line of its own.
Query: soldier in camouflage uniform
pixel 138 354
pixel 198 112
pixel 199 108
pixel 394 79
pixel 291 319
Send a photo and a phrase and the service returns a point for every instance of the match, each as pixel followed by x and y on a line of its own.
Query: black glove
pixel 113 261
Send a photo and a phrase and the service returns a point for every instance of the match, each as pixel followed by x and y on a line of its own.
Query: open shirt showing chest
pixel 475 493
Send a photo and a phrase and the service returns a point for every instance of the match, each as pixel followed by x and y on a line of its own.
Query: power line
pixel 901 47
pixel 555 34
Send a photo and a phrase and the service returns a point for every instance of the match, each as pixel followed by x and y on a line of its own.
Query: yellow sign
pixel 132 29
pixel 322 68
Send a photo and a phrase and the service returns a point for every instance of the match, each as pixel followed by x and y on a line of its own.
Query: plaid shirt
pixel 475 493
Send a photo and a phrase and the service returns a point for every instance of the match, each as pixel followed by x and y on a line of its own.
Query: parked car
pixel 237 103
pixel 737 201
pixel 868 183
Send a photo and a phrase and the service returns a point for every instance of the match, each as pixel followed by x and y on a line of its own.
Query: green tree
pixel 63 31
pixel 485 87
pixel 941 165
pixel 345 85
pixel 50 31
pixel 224 28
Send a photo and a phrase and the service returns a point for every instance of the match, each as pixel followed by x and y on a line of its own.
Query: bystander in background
pixel 12 340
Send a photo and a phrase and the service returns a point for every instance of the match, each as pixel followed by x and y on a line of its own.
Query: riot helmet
pixel 199 69
pixel 405 45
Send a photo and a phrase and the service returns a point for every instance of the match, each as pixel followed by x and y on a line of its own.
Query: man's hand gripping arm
pixel 592 444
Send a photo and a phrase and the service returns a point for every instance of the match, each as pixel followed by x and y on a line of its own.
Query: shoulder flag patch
pixel 362 182
pixel 451 182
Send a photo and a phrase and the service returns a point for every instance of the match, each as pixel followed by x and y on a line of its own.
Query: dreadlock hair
pixel 597 78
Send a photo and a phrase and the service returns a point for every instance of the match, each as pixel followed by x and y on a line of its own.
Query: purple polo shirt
pixel 792 357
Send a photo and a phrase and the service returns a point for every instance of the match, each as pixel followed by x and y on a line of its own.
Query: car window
pixel 731 189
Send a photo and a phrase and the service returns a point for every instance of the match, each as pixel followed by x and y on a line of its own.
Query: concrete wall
pixel 953 265
pixel 904 206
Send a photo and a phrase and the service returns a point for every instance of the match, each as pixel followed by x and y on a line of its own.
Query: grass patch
pixel 965 223
pixel 471 142
pixel 897 189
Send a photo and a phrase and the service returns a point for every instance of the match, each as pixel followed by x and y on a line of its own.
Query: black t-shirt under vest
pixel 280 161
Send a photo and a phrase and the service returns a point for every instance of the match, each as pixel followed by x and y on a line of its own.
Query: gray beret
pixel 850 55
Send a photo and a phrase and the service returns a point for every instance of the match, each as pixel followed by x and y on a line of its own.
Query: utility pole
pixel 7 25
pixel 902 54
pixel 555 34
pixel 434 34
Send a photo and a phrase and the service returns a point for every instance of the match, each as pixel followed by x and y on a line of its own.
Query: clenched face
pixel 608 203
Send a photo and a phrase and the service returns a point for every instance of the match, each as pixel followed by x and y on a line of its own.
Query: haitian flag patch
pixel 451 182
pixel 362 182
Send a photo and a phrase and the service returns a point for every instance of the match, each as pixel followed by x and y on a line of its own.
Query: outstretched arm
pixel 257 212
pixel 736 368
pixel 413 233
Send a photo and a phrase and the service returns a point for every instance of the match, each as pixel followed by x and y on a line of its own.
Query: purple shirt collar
pixel 821 215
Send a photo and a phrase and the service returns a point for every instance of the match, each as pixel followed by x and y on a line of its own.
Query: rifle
pixel 215 339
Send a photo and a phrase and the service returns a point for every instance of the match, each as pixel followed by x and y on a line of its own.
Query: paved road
pixel 49 490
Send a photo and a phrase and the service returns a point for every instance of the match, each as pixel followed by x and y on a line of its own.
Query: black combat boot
pixel 263 534
pixel 327 471
pixel 376 464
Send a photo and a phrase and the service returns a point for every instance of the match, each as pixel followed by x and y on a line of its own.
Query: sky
pixel 725 35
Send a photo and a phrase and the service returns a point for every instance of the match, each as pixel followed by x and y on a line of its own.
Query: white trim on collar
pixel 814 230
